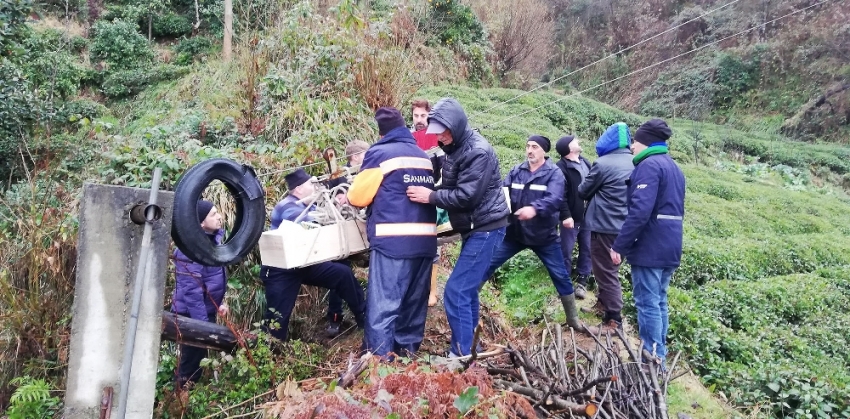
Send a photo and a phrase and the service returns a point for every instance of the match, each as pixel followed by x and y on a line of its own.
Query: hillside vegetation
pixel 759 306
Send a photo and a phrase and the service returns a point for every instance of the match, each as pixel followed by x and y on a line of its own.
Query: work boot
pixel 595 309
pixel 580 291
pixel 605 327
pixel 334 325
pixel 569 303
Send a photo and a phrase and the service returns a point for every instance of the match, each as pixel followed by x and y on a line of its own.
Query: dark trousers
pixel 397 303
pixel 283 286
pixel 569 238
pixel 189 365
pixel 607 275
pixel 335 301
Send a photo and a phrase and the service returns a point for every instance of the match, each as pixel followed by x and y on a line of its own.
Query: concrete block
pixel 108 253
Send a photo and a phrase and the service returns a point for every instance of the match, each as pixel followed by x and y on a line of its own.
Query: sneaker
pixel 334 326
pixel 580 291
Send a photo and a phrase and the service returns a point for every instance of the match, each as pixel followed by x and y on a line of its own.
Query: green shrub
pixel 120 45
pixel 82 108
pixel 49 64
pixel 171 25
pixel 189 49
pixel 127 83
pixel 453 23
pixel 240 376
pixel 13 17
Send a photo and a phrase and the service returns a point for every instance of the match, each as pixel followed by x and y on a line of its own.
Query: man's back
pixel 396 226
pixel 605 188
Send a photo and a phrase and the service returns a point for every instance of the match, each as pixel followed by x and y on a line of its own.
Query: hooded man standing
pixel 536 188
pixel 575 169
pixel 605 190
pixel 402 237
pixel 651 237
pixel 471 192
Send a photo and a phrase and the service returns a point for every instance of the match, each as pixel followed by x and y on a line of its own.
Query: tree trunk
pixel 228 29
pixel 150 27
pixel 197 333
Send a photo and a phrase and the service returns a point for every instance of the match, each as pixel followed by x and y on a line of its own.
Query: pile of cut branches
pixel 561 379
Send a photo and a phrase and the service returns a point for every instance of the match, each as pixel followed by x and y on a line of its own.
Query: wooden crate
pixel 294 246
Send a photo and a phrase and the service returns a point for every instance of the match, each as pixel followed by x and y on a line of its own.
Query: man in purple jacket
pixel 199 293
pixel 651 237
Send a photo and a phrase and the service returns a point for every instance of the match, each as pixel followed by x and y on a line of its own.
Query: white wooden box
pixel 294 246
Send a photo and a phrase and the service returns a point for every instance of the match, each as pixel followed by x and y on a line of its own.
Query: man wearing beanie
pixel 651 237
pixel 605 190
pixel 402 237
pixel 575 169
pixel 198 293
pixel 283 285
pixel 536 190
pixel 471 192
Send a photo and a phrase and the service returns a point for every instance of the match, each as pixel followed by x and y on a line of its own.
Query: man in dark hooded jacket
pixel 575 168
pixel 605 190
pixel 471 192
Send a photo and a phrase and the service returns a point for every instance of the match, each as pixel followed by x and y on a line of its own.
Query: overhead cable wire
pixel 655 64
pixel 604 58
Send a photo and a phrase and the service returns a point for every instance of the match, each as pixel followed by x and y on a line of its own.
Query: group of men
pixel 628 204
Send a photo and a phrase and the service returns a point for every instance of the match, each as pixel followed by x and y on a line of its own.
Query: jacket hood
pixel 615 137
pixel 448 112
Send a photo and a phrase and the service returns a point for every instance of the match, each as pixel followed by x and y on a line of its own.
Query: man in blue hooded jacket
pixel 605 190
pixel 402 237
pixel 651 237
pixel 471 192
pixel 536 189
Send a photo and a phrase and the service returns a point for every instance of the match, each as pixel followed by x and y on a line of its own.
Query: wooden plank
pixel 197 333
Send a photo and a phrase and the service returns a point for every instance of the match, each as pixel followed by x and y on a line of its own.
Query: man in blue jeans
pixel 471 193
pixel 536 189
pixel 651 237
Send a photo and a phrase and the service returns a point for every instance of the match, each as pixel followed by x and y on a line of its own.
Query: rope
pixel 654 65
pixel 602 59
pixel 306 165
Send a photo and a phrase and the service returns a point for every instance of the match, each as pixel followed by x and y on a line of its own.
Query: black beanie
pixel 388 119
pixel 542 141
pixel 653 131
pixel 296 179
pixel 204 208
pixel 563 145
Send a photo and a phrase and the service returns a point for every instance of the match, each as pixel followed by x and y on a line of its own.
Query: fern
pixel 31 399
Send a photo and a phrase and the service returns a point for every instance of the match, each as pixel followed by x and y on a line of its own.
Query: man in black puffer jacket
pixel 471 192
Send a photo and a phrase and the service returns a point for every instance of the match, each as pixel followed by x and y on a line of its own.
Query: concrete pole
pixel 138 288
pixel 228 29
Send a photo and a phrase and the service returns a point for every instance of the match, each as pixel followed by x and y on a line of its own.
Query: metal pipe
pixel 138 287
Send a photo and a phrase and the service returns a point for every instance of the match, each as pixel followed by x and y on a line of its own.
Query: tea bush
pixel 126 83
pixel 171 25
pixel 120 45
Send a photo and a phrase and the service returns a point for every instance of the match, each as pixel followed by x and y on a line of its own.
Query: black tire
pixel 247 191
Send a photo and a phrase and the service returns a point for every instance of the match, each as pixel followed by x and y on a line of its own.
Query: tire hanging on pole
pixel 242 183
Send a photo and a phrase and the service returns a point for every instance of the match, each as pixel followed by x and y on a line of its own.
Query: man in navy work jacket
pixel 651 237
pixel 283 285
pixel 402 237
pixel 536 189
pixel 199 292
pixel 471 192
